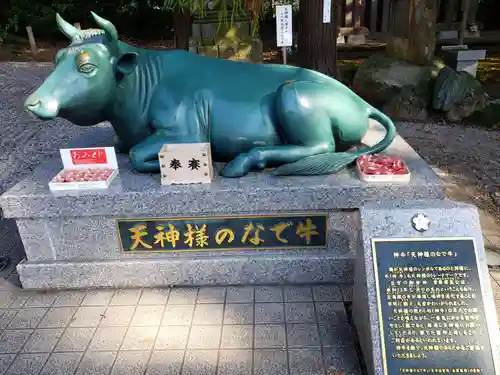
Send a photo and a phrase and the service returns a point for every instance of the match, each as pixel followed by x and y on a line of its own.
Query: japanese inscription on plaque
pixel 430 305
pixel 88 156
pixel 284 33
pixel 223 233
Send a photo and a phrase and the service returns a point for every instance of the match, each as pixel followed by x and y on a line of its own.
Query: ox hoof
pixel 238 167
pixel 232 172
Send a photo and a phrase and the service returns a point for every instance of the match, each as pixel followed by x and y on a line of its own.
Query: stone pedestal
pixel 461 58
pixel 71 238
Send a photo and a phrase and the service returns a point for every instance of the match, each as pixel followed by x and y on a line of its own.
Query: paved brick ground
pixel 246 330
pixel 249 331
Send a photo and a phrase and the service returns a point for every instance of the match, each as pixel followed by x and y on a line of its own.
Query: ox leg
pixel 262 157
pixel 120 146
pixel 144 155
pixel 305 126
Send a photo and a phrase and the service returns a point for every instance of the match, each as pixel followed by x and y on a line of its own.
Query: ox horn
pixel 107 26
pixel 66 28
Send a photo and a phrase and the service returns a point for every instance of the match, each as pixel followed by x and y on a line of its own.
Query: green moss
pixel 380 61
pixel 488 117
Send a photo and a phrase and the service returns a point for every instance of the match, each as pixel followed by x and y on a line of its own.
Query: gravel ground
pixel 467 159
pixel 25 140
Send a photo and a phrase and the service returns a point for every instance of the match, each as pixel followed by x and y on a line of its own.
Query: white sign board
pixel 284 34
pixel 327 11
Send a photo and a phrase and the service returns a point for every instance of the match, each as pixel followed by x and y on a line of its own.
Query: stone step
pixel 162 271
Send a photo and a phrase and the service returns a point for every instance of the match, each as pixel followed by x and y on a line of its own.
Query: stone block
pixel 356 39
pixel 200 362
pixel 447 35
pixel 269 294
pixel 28 364
pixel 235 362
pixel 238 313
pixel 394 220
pixel 461 58
pixel 172 338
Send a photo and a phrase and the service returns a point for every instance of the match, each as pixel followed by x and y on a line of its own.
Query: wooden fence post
pixel 373 17
pixel 31 39
pixel 385 16
pixel 349 13
pixel 358 13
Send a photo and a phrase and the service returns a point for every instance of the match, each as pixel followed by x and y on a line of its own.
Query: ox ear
pixel 126 63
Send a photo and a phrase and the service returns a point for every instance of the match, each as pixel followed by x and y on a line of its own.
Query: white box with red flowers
pixel 86 168
pixel 382 168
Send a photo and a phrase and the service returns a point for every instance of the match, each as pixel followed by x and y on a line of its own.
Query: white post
pixel 31 39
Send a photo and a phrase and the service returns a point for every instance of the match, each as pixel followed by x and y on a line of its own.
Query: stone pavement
pixel 296 330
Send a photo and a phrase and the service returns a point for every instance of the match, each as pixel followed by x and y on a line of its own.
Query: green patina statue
pixel 255 116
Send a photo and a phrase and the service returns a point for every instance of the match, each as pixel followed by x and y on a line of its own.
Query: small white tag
pixel 90 157
pixel 327 11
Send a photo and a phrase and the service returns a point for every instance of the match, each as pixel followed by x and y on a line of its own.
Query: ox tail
pixel 333 162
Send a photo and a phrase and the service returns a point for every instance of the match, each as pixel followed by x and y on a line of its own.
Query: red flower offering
pixel 382 167
pixel 80 175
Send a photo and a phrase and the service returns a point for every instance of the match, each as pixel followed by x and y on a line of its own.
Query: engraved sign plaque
pixel 430 306
pixel 223 233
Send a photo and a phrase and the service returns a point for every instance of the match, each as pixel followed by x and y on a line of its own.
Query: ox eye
pixel 86 68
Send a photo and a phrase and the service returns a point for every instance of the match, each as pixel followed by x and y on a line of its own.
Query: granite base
pixel 253 269
pixel 386 220
pixel 71 239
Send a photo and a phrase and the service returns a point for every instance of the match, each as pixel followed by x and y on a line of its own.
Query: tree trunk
pixel 422 35
pixel 183 26
pixel 317 41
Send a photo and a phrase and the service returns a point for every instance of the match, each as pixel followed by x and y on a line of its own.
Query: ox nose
pixel 32 102
pixel 46 109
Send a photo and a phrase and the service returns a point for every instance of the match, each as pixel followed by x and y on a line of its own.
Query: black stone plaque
pixel 223 233
pixel 430 306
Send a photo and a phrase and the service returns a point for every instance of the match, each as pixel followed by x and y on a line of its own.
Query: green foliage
pixel 128 16
pixel 144 19
pixel 227 10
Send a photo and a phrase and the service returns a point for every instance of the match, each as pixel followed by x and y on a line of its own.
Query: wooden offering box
pixel 85 169
pixel 186 163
